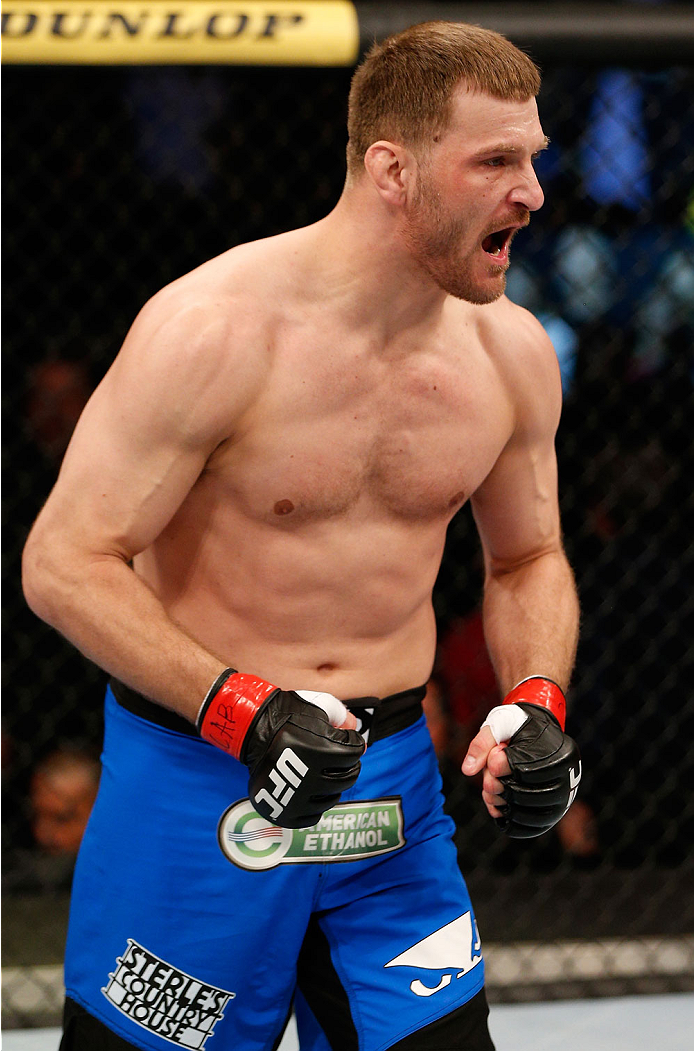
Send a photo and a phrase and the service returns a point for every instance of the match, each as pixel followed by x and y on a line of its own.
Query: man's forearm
pixel 531 617
pixel 118 622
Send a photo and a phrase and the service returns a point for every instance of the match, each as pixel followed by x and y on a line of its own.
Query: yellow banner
pixel 283 33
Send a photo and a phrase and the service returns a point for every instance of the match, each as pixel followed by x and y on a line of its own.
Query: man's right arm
pixel 175 392
pixel 137 451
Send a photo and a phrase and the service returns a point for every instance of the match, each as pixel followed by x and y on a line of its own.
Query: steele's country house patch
pixel 166 1001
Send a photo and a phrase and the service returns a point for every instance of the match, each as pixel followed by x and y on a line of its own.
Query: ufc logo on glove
pixel 300 761
pixel 286 776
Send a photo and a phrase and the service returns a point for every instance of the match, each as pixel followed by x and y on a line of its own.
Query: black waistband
pixel 380 716
pixel 384 716
pixel 139 705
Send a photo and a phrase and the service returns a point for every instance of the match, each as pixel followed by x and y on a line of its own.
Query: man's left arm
pixel 531 609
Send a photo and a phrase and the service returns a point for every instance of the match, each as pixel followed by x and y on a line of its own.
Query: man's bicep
pixel 516 508
pixel 122 480
pixel 140 444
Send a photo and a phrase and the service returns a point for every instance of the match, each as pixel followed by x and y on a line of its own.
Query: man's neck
pixel 366 271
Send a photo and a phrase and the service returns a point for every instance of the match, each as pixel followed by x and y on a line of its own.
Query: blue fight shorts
pixel 196 923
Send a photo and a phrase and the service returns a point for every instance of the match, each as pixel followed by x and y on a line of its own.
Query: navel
pixel 283 507
pixel 459 498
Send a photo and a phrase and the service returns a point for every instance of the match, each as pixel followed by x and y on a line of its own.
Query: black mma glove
pixel 545 762
pixel 300 764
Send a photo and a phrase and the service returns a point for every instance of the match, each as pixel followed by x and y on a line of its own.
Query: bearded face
pixel 463 251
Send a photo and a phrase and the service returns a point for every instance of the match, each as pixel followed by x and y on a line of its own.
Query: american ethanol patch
pixel 348 832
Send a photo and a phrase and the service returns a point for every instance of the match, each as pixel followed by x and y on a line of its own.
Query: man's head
pixel 444 121
pixel 402 90
pixel 58 390
pixel 63 790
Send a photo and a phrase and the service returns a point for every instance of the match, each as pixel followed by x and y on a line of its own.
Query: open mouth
pixel 495 244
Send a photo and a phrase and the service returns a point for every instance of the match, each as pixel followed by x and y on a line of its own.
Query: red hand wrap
pixel 230 711
pixel 543 692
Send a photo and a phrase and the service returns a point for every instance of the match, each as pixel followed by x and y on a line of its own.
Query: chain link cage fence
pixel 118 180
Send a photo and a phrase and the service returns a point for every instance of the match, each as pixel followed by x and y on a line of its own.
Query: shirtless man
pixel 263 482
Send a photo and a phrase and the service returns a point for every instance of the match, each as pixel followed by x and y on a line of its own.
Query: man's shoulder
pixel 224 308
pixel 239 279
pixel 206 339
pixel 522 354
pixel 212 326
pixel 509 330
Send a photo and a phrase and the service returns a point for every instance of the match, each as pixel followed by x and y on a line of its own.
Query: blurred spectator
pixel 61 793
pixel 63 790
pixel 58 390
pixel 578 833
pixel 468 677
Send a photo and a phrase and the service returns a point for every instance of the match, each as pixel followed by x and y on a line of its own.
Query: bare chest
pixel 409 440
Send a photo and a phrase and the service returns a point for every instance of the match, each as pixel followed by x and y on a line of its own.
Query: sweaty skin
pixel 265 476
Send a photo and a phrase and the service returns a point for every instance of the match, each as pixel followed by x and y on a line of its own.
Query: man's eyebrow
pixel 503 147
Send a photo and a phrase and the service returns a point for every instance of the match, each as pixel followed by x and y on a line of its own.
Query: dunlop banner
pixel 283 33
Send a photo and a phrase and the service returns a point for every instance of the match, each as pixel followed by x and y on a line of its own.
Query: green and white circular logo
pixel 248 840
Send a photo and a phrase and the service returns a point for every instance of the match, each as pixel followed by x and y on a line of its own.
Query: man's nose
pixel 528 191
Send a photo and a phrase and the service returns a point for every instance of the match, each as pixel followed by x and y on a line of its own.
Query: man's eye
pixel 495 162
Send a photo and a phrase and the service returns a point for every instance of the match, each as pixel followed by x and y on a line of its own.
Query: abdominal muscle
pixel 341 605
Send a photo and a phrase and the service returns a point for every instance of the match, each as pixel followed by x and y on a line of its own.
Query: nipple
pixel 283 507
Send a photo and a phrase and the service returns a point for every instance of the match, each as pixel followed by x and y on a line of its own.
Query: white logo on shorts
pixel 453 948
pixel 164 1000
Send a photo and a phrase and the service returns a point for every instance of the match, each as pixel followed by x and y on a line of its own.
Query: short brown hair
pixel 402 89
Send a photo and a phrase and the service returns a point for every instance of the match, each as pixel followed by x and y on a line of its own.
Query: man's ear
pixel 392 170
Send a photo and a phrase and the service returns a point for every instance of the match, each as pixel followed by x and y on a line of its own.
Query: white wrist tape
pixel 334 709
pixel 504 721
